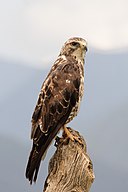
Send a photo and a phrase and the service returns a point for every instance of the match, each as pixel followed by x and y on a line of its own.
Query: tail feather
pixel 38 150
pixel 33 162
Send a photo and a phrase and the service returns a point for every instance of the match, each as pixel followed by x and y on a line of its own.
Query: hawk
pixel 58 101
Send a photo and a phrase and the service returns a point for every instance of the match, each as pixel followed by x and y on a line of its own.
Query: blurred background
pixel 31 35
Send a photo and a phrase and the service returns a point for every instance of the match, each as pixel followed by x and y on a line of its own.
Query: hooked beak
pixel 85 48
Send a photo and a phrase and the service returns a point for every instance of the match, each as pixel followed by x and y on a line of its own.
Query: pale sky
pixel 33 31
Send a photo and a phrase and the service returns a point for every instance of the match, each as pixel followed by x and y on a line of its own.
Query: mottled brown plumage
pixel 58 101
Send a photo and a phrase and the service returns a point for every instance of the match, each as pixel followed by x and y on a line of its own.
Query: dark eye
pixel 75 44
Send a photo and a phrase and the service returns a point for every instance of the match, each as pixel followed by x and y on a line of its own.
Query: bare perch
pixel 70 168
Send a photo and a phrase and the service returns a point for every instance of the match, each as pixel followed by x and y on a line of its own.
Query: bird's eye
pixel 75 44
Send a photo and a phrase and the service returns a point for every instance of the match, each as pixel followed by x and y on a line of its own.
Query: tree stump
pixel 70 168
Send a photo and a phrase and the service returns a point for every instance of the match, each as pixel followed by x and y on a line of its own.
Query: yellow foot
pixel 71 136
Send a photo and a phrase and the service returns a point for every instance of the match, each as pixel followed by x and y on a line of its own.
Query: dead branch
pixel 70 168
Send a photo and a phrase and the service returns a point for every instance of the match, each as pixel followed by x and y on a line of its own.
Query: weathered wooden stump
pixel 70 168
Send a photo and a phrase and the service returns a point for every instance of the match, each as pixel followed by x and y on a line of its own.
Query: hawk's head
pixel 76 47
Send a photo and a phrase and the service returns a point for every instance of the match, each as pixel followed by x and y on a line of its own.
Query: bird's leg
pixel 70 135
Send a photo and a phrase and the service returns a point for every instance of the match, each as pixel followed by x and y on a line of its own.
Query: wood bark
pixel 70 168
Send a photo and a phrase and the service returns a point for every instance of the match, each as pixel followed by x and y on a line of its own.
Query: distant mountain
pixel 102 121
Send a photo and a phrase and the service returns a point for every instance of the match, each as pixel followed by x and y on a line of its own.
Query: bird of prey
pixel 58 101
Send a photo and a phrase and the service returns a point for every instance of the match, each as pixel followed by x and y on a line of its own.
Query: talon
pixel 56 141
pixel 71 136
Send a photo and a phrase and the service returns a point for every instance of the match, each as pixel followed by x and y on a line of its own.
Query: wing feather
pixel 59 91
